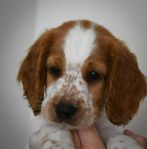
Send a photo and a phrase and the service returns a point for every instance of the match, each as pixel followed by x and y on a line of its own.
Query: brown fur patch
pixel 96 63
pixel 125 85
pixel 33 70
pixel 86 24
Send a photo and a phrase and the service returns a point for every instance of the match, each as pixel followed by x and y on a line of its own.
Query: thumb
pixel 90 139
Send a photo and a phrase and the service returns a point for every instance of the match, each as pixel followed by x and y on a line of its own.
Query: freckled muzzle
pixel 68 100
pixel 70 112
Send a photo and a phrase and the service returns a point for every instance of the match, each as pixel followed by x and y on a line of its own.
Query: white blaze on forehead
pixel 78 43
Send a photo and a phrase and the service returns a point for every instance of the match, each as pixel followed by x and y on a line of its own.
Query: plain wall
pixel 22 21
pixel 17 27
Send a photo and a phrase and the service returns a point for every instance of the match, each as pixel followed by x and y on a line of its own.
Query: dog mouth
pixel 77 123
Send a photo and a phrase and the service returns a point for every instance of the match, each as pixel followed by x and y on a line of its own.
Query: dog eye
pixel 93 76
pixel 55 71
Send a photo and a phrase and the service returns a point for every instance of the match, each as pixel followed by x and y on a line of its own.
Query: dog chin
pixel 68 126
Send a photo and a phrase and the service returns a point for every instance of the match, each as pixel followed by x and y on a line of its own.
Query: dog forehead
pixel 78 43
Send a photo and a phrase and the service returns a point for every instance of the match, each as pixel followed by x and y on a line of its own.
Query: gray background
pixel 21 21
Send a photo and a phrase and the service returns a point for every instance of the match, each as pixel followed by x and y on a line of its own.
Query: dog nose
pixel 65 111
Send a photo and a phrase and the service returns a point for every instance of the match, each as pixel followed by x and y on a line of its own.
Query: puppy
pixel 76 75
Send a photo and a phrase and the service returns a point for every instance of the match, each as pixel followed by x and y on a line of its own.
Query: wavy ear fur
pixel 32 72
pixel 125 84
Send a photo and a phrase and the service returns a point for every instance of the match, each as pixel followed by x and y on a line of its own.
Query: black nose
pixel 65 111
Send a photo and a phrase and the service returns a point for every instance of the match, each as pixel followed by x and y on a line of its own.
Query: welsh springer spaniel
pixel 76 75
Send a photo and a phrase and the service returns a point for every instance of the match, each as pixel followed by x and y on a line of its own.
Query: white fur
pixel 52 90
pixel 48 133
pixel 122 142
pixel 50 136
pixel 106 128
pixel 78 44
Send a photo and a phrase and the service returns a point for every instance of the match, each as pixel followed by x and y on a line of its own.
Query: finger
pixel 90 138
pixel 140 139
pixel 76 139
pixel 130 133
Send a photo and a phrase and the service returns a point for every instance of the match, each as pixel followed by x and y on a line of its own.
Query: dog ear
pixel 125 84
pixel 32 72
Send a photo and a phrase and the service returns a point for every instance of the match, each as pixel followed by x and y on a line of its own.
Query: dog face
pixel 75 70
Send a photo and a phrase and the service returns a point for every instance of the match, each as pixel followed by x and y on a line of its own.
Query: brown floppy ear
pixel 125 84
pixel 32 72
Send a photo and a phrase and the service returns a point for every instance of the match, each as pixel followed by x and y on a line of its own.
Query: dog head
pixel 73 71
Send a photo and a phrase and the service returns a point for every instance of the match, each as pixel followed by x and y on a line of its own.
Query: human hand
pixel 87 138
pixel 142 141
